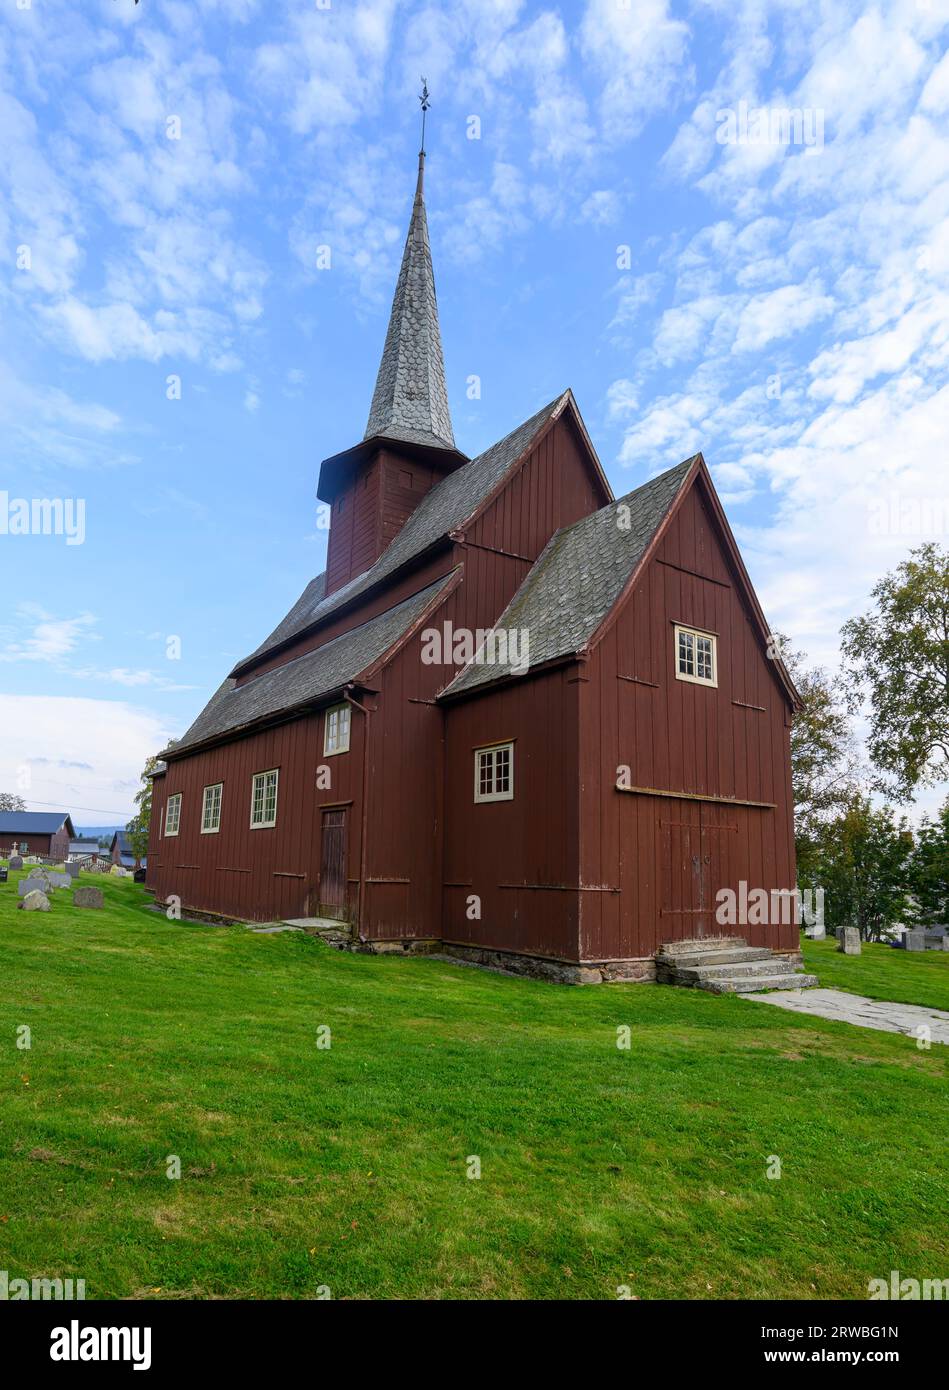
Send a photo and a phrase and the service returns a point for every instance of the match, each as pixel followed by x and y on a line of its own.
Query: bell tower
pixel 409 444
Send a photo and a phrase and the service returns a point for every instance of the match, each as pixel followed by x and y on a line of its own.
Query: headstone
pixel 945 943
pixel 72 869
pixel 35 902
pixel 848 940
pixel 58 880
pixel 117 871
pixel 4 874
pixel 16 861
pixel 87 897
pixel 30 885
pixel 139 875
pixel 57 868
pixel 914 940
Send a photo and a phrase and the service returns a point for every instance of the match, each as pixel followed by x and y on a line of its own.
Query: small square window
pixel 173 814
pixel 211 812
pixel 696 656
pixel 263 800
pixel 336 730
pixel 494 773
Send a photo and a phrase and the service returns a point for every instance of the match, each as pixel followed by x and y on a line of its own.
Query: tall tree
pixel 824 762
pixel 898 657
pixel 930 870
pixel 138 827
pixel 9 801
pixel 864 865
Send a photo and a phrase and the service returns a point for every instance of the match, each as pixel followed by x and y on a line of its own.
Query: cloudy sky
pixel 608 210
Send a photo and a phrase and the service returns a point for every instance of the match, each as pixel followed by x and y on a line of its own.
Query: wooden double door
pixel 701 851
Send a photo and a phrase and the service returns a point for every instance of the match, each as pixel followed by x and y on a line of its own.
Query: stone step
pixel 692 944
pixel 766 965
pixel 729 956
pixel 749 984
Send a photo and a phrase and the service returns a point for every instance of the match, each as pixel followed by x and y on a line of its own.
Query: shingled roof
pixel 577 579
pixel 410 401
pixel 447 507
pixel 306 679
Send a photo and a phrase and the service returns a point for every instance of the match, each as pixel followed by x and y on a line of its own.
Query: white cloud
pixel 38 755
pixel 779 313
pixel 639 51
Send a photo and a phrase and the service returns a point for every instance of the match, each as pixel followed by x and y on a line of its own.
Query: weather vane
pixel 425 105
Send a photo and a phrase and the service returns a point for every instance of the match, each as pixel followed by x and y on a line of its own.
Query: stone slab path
pixel 865 1013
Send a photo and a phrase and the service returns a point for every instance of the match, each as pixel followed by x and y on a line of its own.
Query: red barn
pixel 43 833
pixel 516 716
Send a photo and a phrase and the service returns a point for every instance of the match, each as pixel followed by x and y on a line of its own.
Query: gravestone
pixel 914 941
pixel 16 861
pixel 35 902
pixel 4 874
pixel 57 868
pixel 32 885
pixel 848 940
pixel 87 897
pixel 58 880
pixel 72 869
pixel 117 871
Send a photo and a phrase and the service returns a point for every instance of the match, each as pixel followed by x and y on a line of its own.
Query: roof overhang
pixel 336 470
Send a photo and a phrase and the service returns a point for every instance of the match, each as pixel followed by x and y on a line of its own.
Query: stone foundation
pixel 555 971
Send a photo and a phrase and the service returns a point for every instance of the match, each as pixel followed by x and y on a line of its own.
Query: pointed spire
pixel 410 401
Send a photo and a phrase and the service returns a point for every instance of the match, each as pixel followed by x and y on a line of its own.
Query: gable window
pixel 173 814
pixel 336 730
pixel 696 656
pixel 211 813
pixel 263 799
pixel 494 773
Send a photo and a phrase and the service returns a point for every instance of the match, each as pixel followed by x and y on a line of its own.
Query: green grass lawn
pixel 346 1167
pixel 880 972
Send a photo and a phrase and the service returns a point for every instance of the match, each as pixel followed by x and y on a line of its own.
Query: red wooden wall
pixel 729 741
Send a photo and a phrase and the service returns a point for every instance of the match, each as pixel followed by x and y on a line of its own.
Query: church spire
pixel 410 401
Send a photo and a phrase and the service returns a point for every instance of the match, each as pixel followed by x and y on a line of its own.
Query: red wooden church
pixel 515 716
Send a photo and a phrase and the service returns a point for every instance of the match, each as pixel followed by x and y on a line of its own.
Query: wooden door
pixel 333 864
pixel 685 908
pixel 720 860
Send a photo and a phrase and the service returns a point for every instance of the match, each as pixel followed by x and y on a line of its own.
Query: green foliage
pixel 824 762
pixel 863 863
pixel 138 827
pixel 899 659
pixel 930 870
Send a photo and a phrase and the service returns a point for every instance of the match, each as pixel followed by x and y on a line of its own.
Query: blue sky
pixel 171 170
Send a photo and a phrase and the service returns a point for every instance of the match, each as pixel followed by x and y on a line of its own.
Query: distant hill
pixel 97 832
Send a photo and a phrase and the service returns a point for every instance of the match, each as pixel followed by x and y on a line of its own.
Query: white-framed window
pixel 211 811
pixel 263 799
pixel 494 773
pixel 696 656
pixel 336 730
pixel 173 814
